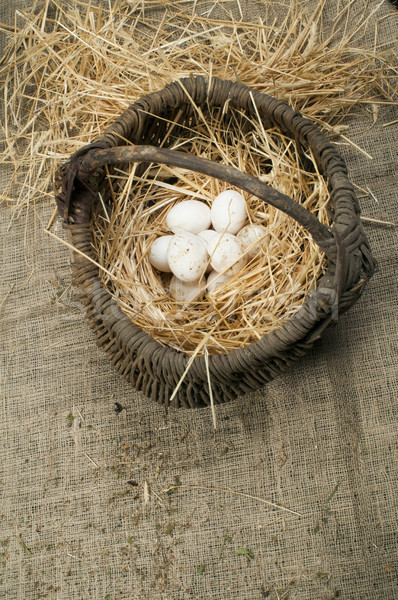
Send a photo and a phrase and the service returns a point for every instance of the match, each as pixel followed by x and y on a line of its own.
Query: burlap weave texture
pixel 136 504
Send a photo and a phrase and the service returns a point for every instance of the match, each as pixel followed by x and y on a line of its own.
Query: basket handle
pixel 323 235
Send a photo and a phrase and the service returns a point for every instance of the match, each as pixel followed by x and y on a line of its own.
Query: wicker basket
pixel 149 366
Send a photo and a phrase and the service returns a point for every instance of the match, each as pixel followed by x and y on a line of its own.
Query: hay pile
pixel 70 68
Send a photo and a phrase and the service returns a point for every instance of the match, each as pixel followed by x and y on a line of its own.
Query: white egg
pixel 190 215
pixel 207 235
pixel 158 253
pixel 226 254
pixel 184 291
pixel 228 212
pixel 187 256
pixel 215 279
pixel 249 235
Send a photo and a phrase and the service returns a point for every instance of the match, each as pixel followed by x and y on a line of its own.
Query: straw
pixel 71 67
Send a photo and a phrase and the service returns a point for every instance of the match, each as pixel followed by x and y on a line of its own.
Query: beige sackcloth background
pixel 321 440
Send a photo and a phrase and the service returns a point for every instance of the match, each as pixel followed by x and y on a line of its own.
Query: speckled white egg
pixel 185 291
pixel 158 253
pixel 187 256
pixel 226 254
pixel 228 212
pixel 207 235
pixel 190 215
pixel 215 279
pixel 249 235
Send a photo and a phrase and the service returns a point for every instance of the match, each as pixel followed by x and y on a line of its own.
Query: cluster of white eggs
pixel 212 241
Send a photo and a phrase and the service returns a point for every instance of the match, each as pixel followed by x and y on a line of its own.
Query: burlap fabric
pixel 136 504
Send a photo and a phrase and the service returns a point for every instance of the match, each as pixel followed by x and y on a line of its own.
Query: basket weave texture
pixel 154 369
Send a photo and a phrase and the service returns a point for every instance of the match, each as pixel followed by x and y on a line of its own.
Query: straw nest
pixel 256 300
